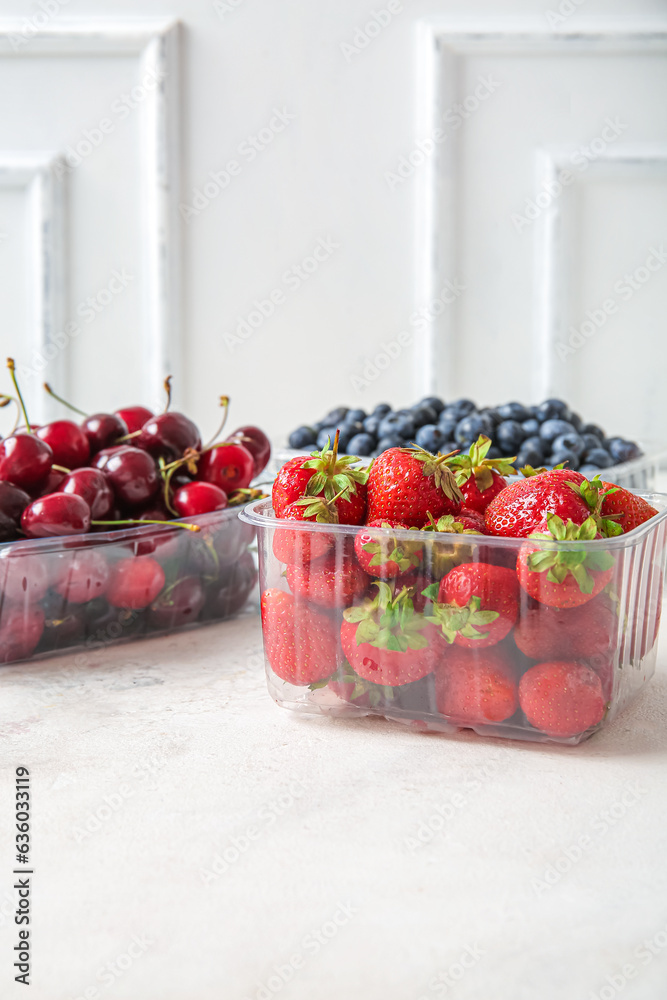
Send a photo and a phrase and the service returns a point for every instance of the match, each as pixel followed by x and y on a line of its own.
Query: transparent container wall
pixel 85 591
pixel 623 620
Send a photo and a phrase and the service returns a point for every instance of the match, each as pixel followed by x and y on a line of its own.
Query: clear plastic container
pixel 606 647
pixel 84 591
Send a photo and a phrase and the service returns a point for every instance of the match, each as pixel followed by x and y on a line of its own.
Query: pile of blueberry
pixel 543 435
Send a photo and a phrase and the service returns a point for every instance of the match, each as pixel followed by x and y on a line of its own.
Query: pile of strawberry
pixel 423 609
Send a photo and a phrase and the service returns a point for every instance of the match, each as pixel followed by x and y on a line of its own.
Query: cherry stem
pixel 167 389
pixel 12 371
pixel 5 401
pixel 128 437
pixel 224 402
pixel 61 468
pixel 169 524
pixel 70 406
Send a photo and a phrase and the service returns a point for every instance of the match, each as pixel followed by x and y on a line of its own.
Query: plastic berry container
pixel 84 591
pixel 341 642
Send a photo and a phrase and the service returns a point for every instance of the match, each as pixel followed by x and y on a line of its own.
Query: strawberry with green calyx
pixel 386 641
pixel 527 470
pixel 466 522
pixel 479 478
pixel 593 493
pixel 333 581
pixel 326 474
pixel 301 643
pixel 444 553
pixel 381 554
pixel 290 546
pixel 522 506
pixel 404 484
pixel 624 507
pixel 355 690
pixel 475 605
pixel 564 577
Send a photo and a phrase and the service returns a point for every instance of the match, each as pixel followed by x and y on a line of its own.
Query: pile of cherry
pixel 113 471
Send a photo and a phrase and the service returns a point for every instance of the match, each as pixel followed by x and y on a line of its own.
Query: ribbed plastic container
pixel 607 645
pixel 78 593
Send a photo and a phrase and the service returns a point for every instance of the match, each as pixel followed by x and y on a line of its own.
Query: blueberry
pixel 599 457
pixel 422 415
pixel 360 444
pixel 448 446
pixel 569 442
pixel 353 416
pixel 329 433
pixel 447 425
pixel 593 429
pixel 303 437
pixel 529 454
pixel 552 409
pixel 494 452
pixel 576 421
pixel 372 423
pixel 492 412
pixel 461 408
pixel 570 458
pixel 336 416
pixel 352 427
pixel 381 410
pixel 591 441
pixel 398 424
pixel 469 428
pixel 430 437
pixel 589 471
pixel 552 428
pixel 389 441
pixel 531 426
pixel 434 402
pixel 513 411
pixel 509 436
pixel 621 450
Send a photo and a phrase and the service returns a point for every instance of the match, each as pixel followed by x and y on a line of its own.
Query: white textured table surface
pixel 541 871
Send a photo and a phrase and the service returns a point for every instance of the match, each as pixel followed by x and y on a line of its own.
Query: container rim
pixel 260 513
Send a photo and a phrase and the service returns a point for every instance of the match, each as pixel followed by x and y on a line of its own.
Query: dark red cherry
pixel 100 460
pixel 133 475
pixel 24 577
pixel 134 417
pixel 64 624
pixel 52 484
pixel 82 576
pixel 168 436
pixel 198 498
pixel 226 599
pixel 135 582
pixel 94 487
pixel 179 605
pixel 229 466
pixel 25 460
pixel 56 514
pixel 8 528
pixel 256 442
pixel 13 501
pixel 155 511
pixel 67 441
pixel 20 631
pixel 102 430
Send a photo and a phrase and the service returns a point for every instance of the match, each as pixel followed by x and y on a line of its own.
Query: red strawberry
pixel 326 474
pixel 474 687
pixel 522 506
pixel 301 644
pixel 587 632
pixel 332 581
pixel 294 546
pixel 381 554
pixel 445 552
pixel 561 698
pixel 568 576
pixel 479 478
pixel 406 484
pixel 477 604
pixel 386 641
pixel 626 508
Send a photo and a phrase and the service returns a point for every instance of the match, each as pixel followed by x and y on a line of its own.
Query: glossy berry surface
pixel 198 498
pixel 56 514
pixel 229 466
pixel 179 605
pixel 133 475
pixel 67 441
pixel 94 487
pixel 256 442
pixel 82 576
pixel 13 501
pixel 168 436
pixel 102 430
pixel 25 460
pixel 135 582
pixel 134 417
